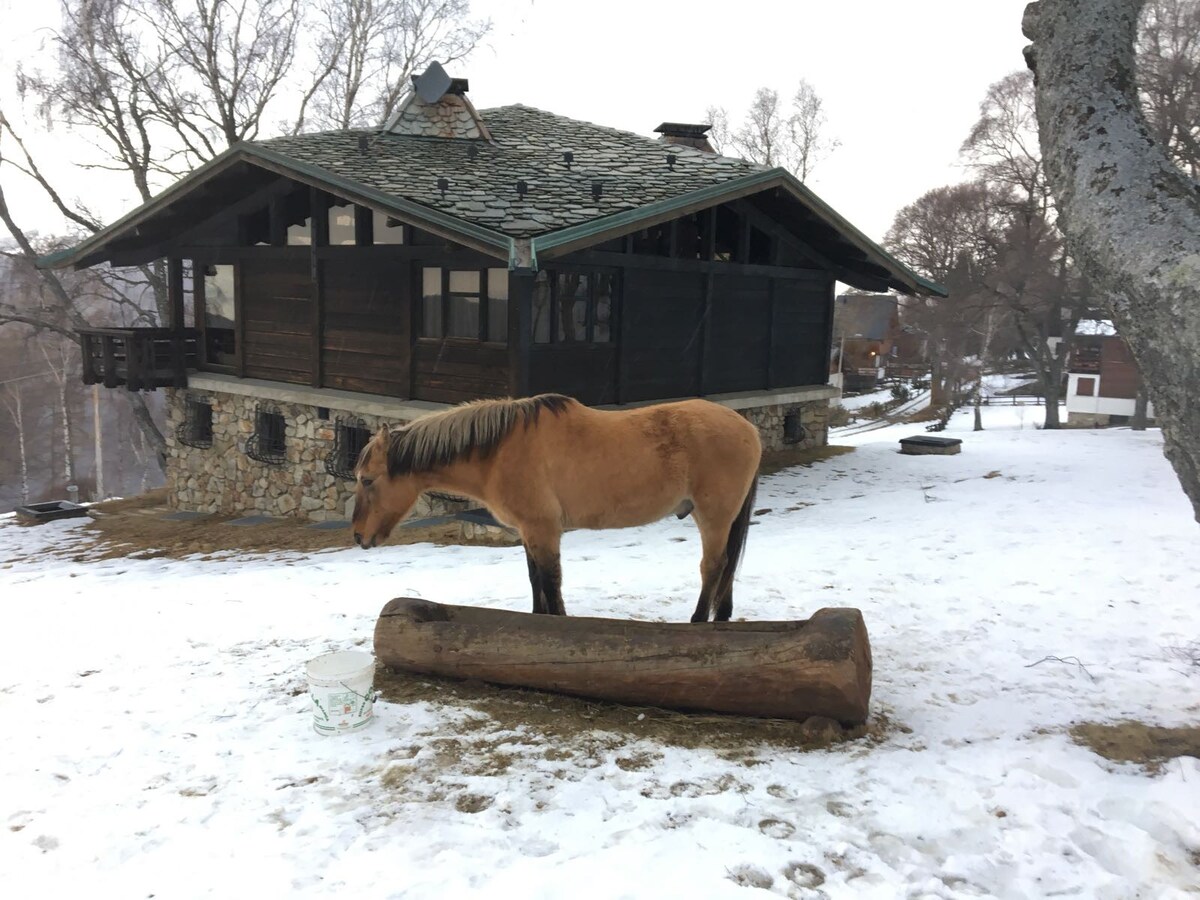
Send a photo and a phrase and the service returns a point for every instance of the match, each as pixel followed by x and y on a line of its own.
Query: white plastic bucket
pixel 341 686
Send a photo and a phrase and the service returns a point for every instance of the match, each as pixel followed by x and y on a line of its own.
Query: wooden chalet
pixel 1103 379
pixel 331 281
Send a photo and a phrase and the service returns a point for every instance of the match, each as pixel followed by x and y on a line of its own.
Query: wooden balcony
pixel 141 359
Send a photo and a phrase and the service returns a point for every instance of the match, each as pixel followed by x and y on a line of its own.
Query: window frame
pixel 483 296
pixel 593 274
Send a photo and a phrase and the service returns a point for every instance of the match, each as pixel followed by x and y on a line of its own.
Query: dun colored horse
pixel 547 463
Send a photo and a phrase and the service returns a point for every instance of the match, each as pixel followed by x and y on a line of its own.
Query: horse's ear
pixel 383 433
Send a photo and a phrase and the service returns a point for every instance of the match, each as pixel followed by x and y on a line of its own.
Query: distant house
pixel 323 284
pixel 865 328
pixel 1103 380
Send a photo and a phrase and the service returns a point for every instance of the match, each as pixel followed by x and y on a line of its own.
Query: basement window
pixel 1085 387
pixel 268 444
pixel 196 429
pixel 349 438
pixel 793 430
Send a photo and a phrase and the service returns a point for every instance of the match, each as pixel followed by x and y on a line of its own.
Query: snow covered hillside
pixel 158 740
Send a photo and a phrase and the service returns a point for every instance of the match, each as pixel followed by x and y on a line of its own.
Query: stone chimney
pixel 438 107
pixel 688 135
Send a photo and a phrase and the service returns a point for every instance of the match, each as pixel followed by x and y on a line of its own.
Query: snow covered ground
pixel 158 742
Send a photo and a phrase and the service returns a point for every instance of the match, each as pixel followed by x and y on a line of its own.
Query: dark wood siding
pixel 366 342
pixel 276 305
pixel 451 371
pixel 739 321
pixel 1119 375
pixel 586 372
pixel 800 335
pixel 661 334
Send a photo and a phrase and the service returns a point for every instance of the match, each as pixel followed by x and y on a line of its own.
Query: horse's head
pixel 380 501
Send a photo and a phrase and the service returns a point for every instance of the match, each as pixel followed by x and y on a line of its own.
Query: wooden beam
pixel 699 266
pixel 175 293
pixel 815 667
pixel 520 330
pixel 319 211
pixel 239 321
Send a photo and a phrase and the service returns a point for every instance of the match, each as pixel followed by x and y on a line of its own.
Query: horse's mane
pixel 474 427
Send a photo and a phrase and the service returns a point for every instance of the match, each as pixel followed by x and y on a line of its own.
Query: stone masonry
pixel 223 479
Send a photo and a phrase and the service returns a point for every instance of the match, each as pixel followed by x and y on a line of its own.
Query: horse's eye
pixel 367 482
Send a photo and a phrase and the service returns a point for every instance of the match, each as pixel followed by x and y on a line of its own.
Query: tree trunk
pixel 1132 216
pixel 817 667
pixel 978 402
pixel 1139 409
pixel 99 437
pixel 64 408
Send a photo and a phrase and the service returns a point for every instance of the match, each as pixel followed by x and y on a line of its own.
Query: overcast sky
pixel 901 80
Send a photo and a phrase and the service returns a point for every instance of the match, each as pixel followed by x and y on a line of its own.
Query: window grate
pixel 349 438
pixel 793 429
pixel 196 430
pixel 267 444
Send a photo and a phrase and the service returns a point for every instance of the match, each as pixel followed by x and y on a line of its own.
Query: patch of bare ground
pixel 779 460
pixel 137 528
pixel 566 727
pixel 1150 746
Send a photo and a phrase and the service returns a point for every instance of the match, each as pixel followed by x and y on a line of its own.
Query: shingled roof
pixel 466 189
pixel 528 144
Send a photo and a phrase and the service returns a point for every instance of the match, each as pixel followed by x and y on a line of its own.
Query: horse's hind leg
pixel 712 565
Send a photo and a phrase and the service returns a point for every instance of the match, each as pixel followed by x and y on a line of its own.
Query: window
pixel 300 234
pixel 497 305
pixel 341 225
pixel 349 438
pixel 462 305
pixel 725 241
pixel 219 334
pixel 386 229
pixel 268 444
pixel 1085 387
pixel 196 429
pixel 572 307
pixel 572 289
pixel 469 304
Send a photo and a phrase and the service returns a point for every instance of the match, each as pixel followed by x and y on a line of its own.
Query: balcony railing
pixel 141 359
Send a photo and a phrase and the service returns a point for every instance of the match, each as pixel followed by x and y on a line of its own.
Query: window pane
pixel 219 335
pixel 300 235
pixel 541 308
pixel 601 325
pixel 464 317
pixel 464 282
pixel 431 303
pixel 572 307
pixel 497 282
pixel 387 229
pixel 341 225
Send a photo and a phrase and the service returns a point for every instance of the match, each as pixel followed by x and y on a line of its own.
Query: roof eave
pixel 566 240
pixel 434 221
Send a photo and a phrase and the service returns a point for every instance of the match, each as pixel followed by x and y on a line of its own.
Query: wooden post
pixel 175 293
pixel 816 667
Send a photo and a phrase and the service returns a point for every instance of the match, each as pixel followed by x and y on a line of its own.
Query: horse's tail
pixel 736 542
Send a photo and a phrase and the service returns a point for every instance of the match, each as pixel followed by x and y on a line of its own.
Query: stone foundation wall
pixel 771 424
pixel 223 479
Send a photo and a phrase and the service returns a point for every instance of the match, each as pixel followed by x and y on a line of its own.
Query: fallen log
pixel 815 667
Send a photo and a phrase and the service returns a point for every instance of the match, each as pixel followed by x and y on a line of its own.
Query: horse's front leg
pixel 535 582
pixel 545 570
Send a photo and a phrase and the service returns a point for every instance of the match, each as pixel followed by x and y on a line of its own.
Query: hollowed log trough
pixel 792 670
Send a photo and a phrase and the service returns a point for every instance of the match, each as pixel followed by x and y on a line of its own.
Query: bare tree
pixel 12 396
pixel 1132 214
pixel 1168 75
pixel 792 137
pixel 1035 280
pixel 368 50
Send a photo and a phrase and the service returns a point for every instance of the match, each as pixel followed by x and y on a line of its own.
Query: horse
pixel 547 463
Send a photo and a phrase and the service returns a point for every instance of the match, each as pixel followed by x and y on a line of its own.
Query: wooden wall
pixel 275 303
pixel 366 340
pixel 451 371
pixel 587 372
pixel 661 334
